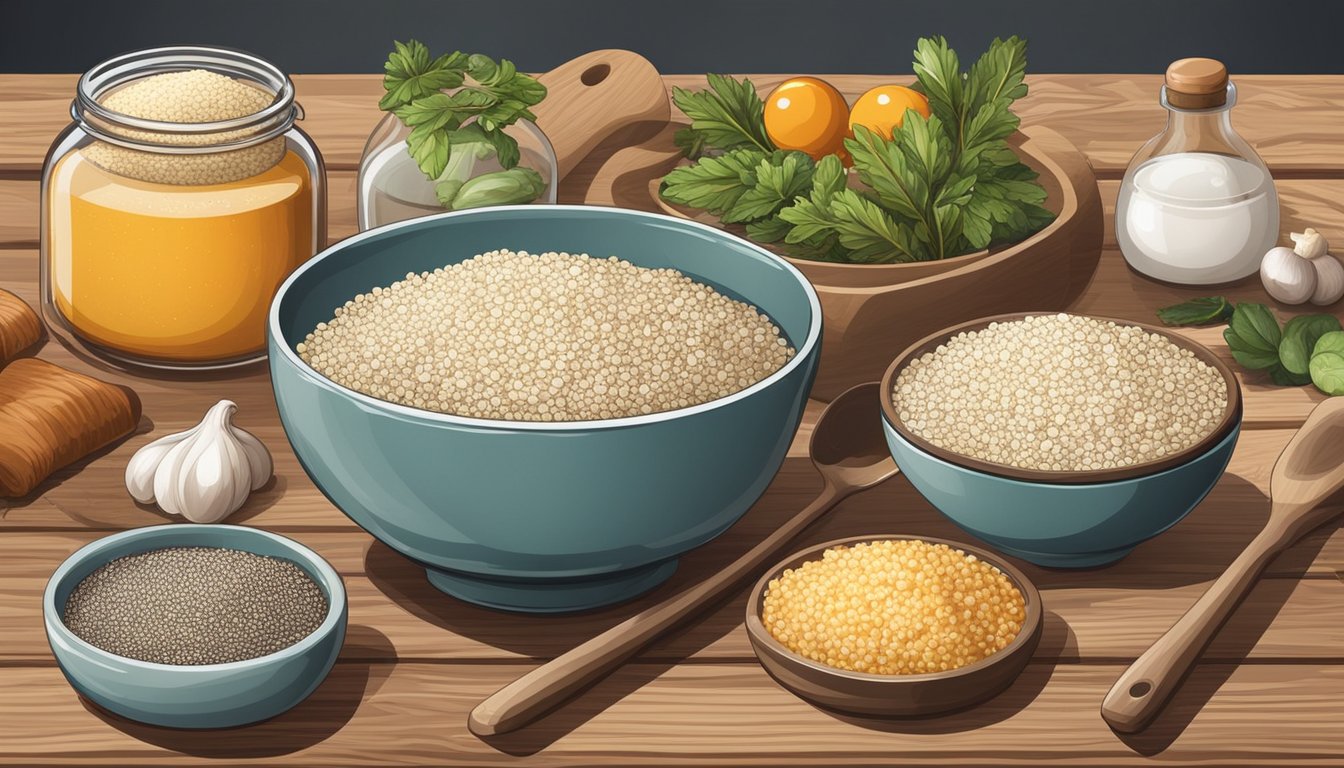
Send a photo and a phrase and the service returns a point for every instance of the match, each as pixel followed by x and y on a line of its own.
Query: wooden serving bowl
pixel 871 311
pixel 895 695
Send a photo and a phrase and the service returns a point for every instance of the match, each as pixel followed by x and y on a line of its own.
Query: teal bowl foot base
pixel 554 595
pixel 1051 560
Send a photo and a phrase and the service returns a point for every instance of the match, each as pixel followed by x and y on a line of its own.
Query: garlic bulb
pixel 1329 281
pixel 1311 245
pixel 1287 276
pixel 205 473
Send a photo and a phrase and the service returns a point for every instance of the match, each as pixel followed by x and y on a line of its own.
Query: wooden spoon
pixel 849 450
pixel 1310 470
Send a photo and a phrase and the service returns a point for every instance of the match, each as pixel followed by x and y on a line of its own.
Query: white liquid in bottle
pixel 1197 218
pixel 1197 206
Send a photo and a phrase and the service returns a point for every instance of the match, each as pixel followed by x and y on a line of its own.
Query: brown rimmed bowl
pixel 895 695
pixel 1062 519
pixel 869 309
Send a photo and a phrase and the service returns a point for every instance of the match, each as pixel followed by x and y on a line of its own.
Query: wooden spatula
pixel 1308 472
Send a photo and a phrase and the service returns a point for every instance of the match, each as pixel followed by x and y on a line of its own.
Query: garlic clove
pixel 258 458
pixel 167 493
pixel 142 466
pixel 205 478
pixel 1310 244
pixel 1329 281
pixel 1287 276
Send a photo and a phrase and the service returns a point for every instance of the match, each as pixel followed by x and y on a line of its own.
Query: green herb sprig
pixel 939 188
pixel 1309 349
pixel 1211 309
pixel 449 131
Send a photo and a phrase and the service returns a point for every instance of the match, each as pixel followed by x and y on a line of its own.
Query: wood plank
pixel 19 214
pixel 1284 618
pixel 721 714
pixel 1293 121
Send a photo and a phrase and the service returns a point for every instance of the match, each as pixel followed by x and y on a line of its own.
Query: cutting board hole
pixel 1139 690
pixel 595 74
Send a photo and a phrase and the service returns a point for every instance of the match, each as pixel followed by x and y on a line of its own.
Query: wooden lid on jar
pixel 1196 84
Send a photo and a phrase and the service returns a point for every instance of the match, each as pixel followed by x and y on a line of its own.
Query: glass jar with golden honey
pixel 173 207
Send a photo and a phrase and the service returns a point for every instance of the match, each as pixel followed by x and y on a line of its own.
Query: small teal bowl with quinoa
pixel 205 695
pixel 539 516
pixel 1062 519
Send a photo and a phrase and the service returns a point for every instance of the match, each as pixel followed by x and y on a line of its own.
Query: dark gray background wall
pixel 679 36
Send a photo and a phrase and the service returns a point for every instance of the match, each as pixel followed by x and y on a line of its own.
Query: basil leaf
pixel 1251 357
pixel 1257 329
pixel 1211 309
pixel 1327 364
pixel 1299 340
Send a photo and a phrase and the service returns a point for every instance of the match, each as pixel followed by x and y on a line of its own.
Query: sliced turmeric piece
pixel 19 326
pixel 51 417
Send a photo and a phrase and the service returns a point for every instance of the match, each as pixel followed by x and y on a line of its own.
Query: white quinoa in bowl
pixel 546 337
pixel 1060 393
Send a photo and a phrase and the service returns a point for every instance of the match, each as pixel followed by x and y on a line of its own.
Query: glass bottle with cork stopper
pixel 1197 205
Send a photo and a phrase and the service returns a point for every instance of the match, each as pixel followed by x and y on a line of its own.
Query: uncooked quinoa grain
pixel 194 96
pixel 1061 393
pixel 549 337
pixel 195 605
pixel 894 607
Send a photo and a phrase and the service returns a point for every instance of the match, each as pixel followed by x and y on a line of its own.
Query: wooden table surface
pixel 416 661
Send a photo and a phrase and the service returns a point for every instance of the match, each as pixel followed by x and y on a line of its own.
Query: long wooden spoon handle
pixel 532 695
pixel 1150 681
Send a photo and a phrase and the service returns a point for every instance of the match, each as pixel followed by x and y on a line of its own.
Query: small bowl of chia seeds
pixel 195 626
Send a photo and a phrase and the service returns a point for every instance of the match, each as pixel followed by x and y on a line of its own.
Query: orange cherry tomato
pixel 808 115
pixel 882 109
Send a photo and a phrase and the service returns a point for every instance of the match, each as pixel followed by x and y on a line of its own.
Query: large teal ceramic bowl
pixel 208 695
pixel 533 516
pixel 1063 519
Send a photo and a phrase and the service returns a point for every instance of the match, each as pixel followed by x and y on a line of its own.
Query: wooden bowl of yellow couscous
pixel 894 625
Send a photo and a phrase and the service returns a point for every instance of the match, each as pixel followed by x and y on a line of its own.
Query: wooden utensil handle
pixel 532 695
pixel 1150 681
pixel 595 95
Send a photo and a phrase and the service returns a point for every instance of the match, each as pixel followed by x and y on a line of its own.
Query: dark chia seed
pixel 195 605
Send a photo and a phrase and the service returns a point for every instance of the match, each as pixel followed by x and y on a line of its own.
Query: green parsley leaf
pixel 770 230
pixel 828 178
pixel 410 75
pixel 713 184
pixel 779 179
pixel 429 147
pixel 727 116
pixel 870 233
pixel 490 96
pixel 938 71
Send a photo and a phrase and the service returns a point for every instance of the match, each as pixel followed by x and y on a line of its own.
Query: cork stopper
pixel 1196 84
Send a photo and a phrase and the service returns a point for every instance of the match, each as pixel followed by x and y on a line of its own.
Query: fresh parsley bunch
pixel 939 188
pixel 451 130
